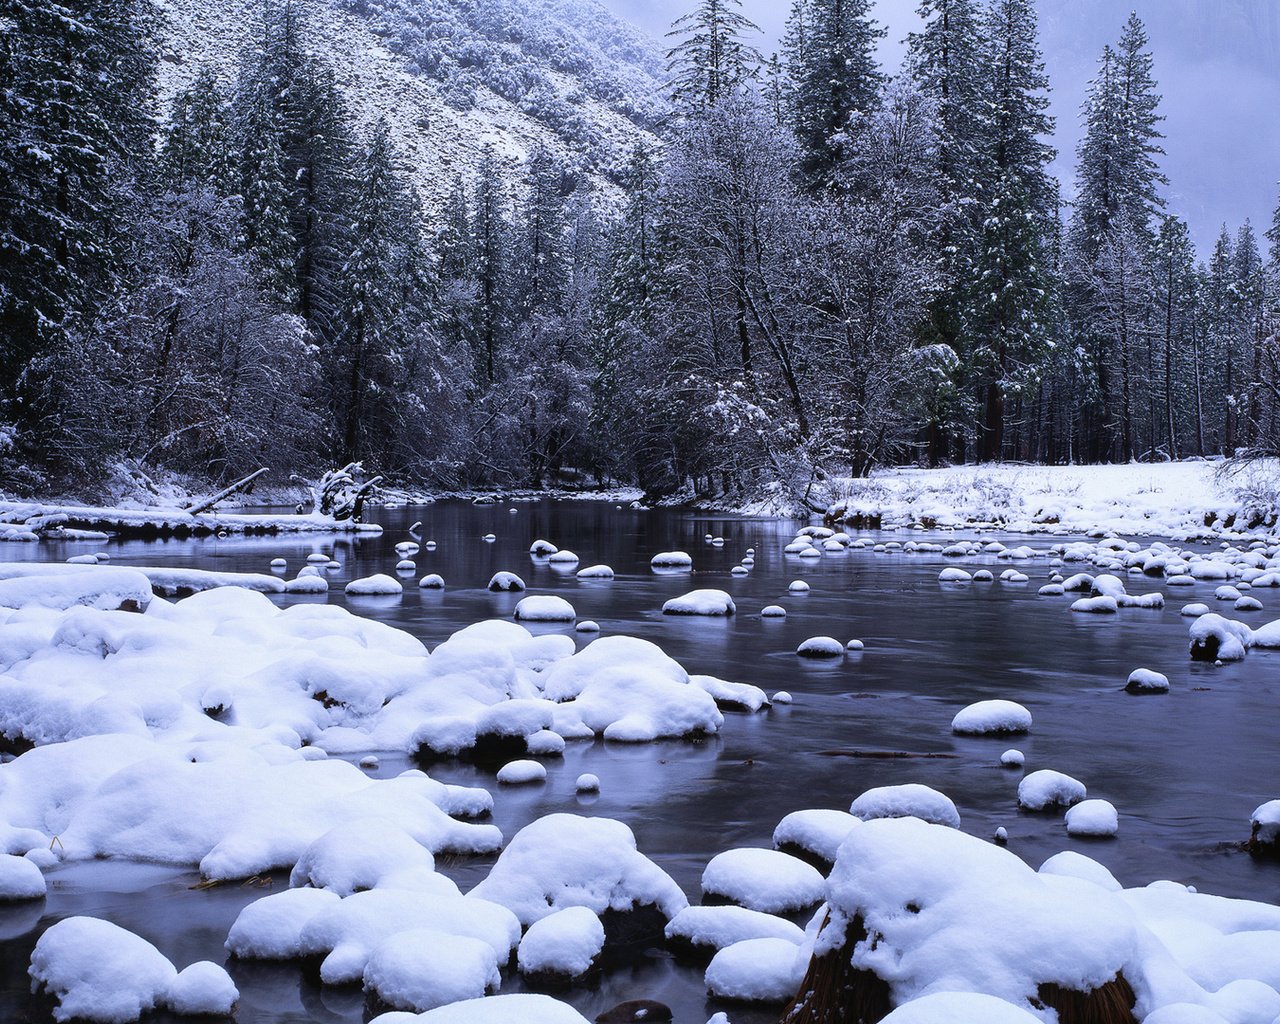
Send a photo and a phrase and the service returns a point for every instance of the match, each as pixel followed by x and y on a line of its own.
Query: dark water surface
pixel 1184 770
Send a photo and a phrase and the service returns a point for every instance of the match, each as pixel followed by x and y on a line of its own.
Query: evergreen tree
pixel 1011 267
pixel 711 61
pixel 197 147
pixel 835 81
pixel 490 248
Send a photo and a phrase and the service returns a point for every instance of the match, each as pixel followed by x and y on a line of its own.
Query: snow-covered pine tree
pixel 197 149
pixel 490 251
pixel 947 62
pixel 542 218
pixel 1011 268
pixel 835 81
pixel 712 58
pixel 1178 371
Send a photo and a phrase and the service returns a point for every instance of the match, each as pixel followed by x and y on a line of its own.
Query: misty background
pixel 1217 62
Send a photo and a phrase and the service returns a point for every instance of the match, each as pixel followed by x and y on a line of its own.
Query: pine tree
pixel 198 145
pixel 711 61
pixel 542 260
pixel 835 81
pixel 1012 265
pixel 1175 297
pixel 490 248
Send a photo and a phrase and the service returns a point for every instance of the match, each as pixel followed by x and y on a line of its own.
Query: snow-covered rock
pixel 814 835
pixel 545 608
pixel 421 969
pixel 1144 680
pixel 516 773
pixel 512 1009
pixel 700 932
pixel 378 585
pixel 561 946
pixel 596 572
pixel 672 560
pixel 202 989
pixel 20 879
pixel 821 647
pixel 1092 819
pixel 1214 638
pixel 506 581
pixel 909 800
pixel 992 718
pixel 700 602
pixel 757 971
pixel 1046 790
pixel 765 880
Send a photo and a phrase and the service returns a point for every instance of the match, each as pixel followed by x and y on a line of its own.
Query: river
pixel 1184 770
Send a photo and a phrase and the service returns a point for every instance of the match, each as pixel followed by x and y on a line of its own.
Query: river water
pixel 1184 770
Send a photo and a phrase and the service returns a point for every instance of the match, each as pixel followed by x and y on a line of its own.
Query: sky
pixel 1217 61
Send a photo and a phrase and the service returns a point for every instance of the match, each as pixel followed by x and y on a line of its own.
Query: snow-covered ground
pixel 1164 499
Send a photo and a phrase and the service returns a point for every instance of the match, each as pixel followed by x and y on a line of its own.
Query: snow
pixel 960 1008
pixel 1266 822
pixel 992 718
pixel 271 928
pixel 105 588
pixel 524 1009
pixel 564 860
pixel 763 880
pixel 563 557
pixel 820 647
pixel 542 548
pixel 202 989
pixel 700 602
pixel 1145 680
pixel 1216 638
pixel 566 943
pixel 1092 818
pixel 433 581
pixel 347 936
pixel 596 572
pixel 506 581
pixel 714 928
pixel 362 854
pixel 817 831
pixel 756 970
pixel 954 575
pixel 587 626
pixel 378 585
pixel 1046 790
pixel 672 560
pixel 98 971
pixel 909 800
pixel 515 773
pixel 1096 606
pixel 798 587
pixel 20 879
pixel 1013 758
pixel 421 969
pixel 1076 865
pixel 587 783
pixel 172 520
pixel 731 696
pixel 773 611
pixel 545 608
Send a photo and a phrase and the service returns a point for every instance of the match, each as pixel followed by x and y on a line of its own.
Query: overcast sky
pixel 1217 61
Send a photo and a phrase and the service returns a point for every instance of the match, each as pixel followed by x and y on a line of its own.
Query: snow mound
pixel 361 855
pixel 270 928
pixel 909 800
pixel 798 587
pixel 1092 819
pixel 821 647
pixel 516 773
pixel 596 572
pixel 954 575
pixel 202 990
pixel 563 557
pixel 1144 680
pixel 513 1009
pixel 732 696
pixel 565 944
pixel 700 602
pixel 992 718
pixel 20 879
pixel 960 1008
pixel 542 548
pixel 375 586
pixel 756 971
pixel 95 588
pixel 564 860
pixel 545 608
pixel 1046 790
pixel 765 880
pixel 1214 638
pixel 1104 605
pixel 703 930
pixel 814 834
pixel 421 969
pixel 672 560
pixel 97 971
pixel 506 581
pixel 433 581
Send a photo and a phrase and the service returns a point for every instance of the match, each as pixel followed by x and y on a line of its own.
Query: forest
pixel 824 266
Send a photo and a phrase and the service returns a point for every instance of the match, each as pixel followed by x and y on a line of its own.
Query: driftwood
pixel 339 495
pixel 240 485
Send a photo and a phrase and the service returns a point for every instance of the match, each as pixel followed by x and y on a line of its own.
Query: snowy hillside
pixel 454 76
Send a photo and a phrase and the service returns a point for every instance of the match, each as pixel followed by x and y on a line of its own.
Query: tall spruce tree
pixel 835 79
pixel 712 59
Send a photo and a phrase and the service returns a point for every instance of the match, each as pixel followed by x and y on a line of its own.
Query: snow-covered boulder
pixel 1144 680
pixel 954 575
pixel 821 647
pixel 992 718
pixel 596 572
pixel 672 560
pixel 375 586
pixel 700 602
pixel 561 947
pixel 506 581
pixel 421 969
pixel 960 1008
pixel 1214 638
pixel 765 880
pixel 359 855
pixel 202 989
pixel 699 932
pixel 1094 819
pixel 270 928
pixel 1047 790
pixel 814 835
pixel 756 971
pixel 524 1008
pixel 545 608
pixel 909 800
pixel 20 880
pixel 564 860
pixel 542 548
pixel 1265 829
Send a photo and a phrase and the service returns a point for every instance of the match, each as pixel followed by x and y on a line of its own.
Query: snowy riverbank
pixel 1183 500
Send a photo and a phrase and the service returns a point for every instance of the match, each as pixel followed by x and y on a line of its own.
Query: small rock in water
pixel 782 697
pixel 588 783
pixel 276 563
pixel 1013 759
pixel 517 773
pixel 489 538
pixel 369 761
pixel 773 611
pixel 1002 836
pixel 432 582
pixel 1143 680
pixel 639 1011
pixel 587 626
pixel 799 587
pixel 820 647
pixel 855 645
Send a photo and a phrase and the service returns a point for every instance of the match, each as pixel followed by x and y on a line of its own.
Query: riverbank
pixel 1182 500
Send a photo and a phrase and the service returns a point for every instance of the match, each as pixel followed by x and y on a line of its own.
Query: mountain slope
pixel 454 76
